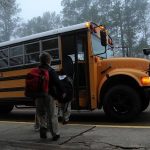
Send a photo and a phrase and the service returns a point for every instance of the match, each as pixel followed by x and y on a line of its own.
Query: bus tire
pixel 4 109
pixel 145 104
pixel 122 103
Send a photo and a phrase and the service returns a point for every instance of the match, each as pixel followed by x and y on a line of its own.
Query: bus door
pixel 75 65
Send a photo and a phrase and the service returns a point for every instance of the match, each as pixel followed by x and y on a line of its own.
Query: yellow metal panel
pixel 93 75
pixel 12 83
pixel 83 99
pixel 11 94
pixel 15 73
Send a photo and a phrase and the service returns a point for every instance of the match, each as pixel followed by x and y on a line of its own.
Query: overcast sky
pixel 34 8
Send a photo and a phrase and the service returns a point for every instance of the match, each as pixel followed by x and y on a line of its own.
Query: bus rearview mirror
pixel 103 36
pixel 146 51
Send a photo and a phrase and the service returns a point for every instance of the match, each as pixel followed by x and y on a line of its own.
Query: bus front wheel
pixel 5 108
pixel 122 103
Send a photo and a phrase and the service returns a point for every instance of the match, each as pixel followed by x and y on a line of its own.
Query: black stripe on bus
pixel 18 67
pixel 16 89
pixel 17 101
pixel 13 78
pixel 17 77
pixel 16 98
pixel 27 66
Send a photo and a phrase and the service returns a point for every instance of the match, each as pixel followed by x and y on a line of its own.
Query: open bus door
pixel 74 63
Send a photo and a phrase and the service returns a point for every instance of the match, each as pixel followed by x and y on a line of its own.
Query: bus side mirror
pixel 146 51
pixel 103 36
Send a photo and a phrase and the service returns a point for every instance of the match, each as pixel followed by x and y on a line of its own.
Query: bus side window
pixel 3 58
pixel 51 46
pixel 16 55
pixel 32 51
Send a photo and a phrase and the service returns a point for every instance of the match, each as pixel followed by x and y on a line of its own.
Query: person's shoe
pixel 56 137
pixel 43 133
pixel 36 128
pixel 65 122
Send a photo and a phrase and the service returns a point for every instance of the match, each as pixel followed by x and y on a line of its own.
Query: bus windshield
pixel 96 45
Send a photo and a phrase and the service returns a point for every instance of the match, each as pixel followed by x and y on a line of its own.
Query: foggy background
pixel 128 21
pixel 34 8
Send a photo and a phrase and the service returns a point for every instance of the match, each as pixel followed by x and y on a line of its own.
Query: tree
pixel 104 11
pixel 8 18
pixel 134 24
pixel 39 24
pixel 126 19
pixel 77 11
pixel 144 28
pixel 129 21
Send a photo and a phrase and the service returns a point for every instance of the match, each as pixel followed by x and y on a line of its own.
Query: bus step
pixel 23 106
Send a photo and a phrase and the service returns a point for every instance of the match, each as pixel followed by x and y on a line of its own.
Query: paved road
pixel 79 117
pixel 86 130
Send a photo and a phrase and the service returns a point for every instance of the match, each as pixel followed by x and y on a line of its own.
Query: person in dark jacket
pixel 64 108
pixel 46 110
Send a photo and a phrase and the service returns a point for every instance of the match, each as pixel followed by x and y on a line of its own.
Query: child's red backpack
pixel 36 83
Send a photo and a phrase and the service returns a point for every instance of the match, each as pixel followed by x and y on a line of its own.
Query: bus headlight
pixel 145 80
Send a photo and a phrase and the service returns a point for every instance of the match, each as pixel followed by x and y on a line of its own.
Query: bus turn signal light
pixel 145 80
pixel 88 24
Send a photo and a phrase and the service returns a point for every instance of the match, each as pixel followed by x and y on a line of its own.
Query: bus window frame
pixel 49 39
pixel 53 49
pixel 21 56
pixel 7 62
pixel 24 54
pixel 7 52
pixel 15 56
pixel 14 47
pixel 31 53
pixel 6 58
pixel 30 43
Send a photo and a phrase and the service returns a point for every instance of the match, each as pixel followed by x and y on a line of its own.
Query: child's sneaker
pixel 56 137
pixel 43 133
pixel 36 127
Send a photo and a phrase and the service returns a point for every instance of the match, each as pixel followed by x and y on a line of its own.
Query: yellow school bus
pixel 118 85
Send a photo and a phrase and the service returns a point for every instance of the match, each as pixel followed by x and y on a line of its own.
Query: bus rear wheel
pixel 122 103
pixel 4 108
